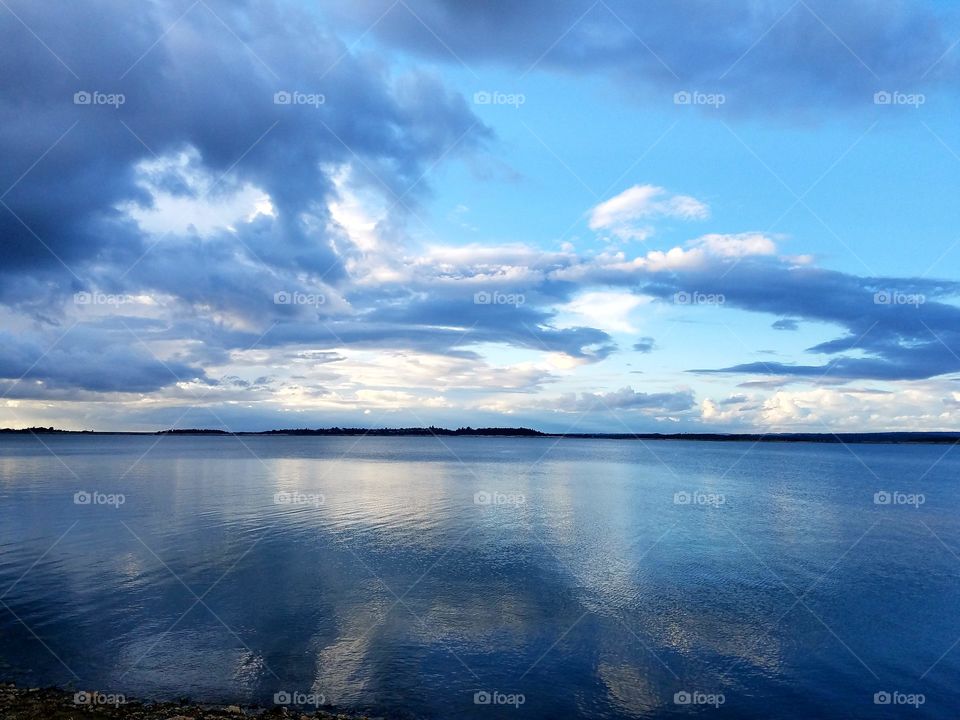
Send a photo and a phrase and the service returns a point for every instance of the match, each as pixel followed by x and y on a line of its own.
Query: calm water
pixel 371 572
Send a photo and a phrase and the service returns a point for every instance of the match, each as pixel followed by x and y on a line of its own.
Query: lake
pixel 482 577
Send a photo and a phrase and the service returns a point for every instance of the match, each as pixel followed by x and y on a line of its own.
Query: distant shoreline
pixel 895 438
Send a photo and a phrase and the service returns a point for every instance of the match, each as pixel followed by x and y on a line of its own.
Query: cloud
pixel 920 405
pixel 892 328
pixel 609 311
pixel 774 56
pixel 644 345
pixel 98 360
pixel 432 308
pixel 915 406
pixel 880 340
pixel 198 90
pixel 198 190
pixel 620 214
pixel 405 369
pixel 203 199
pixel 202 195
pixel 736 245
pixel 625 399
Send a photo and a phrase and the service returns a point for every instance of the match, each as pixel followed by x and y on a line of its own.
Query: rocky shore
pixel 55 704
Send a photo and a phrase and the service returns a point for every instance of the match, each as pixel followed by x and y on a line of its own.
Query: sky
pixel 659 216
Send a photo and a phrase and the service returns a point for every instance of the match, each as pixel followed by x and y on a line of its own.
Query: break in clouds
pixel 211 215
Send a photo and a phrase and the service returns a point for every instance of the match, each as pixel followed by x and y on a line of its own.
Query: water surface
pixel 402 576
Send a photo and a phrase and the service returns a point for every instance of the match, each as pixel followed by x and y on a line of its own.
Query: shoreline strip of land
pixel 925 438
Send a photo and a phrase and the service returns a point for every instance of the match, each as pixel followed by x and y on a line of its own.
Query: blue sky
pixel 605 215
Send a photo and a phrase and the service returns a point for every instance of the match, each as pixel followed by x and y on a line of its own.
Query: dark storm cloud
pixel 199 77
pixel 196 80
pixel 904 326
pixel 90 359
pixel 763 55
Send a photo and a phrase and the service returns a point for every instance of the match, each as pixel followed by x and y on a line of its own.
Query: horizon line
pixel 892 436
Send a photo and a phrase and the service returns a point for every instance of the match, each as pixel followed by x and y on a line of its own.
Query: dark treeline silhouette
pixel 382 432
pixel 948 438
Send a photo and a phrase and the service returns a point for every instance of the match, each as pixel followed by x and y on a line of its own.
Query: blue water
pixel 586 587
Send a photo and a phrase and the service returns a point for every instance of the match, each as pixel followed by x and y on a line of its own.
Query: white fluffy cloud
pixel 736 245
pixel 608 311
pixel 621 215
pixel 914 405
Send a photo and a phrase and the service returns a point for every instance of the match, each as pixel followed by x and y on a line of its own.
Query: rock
pixel 234 709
